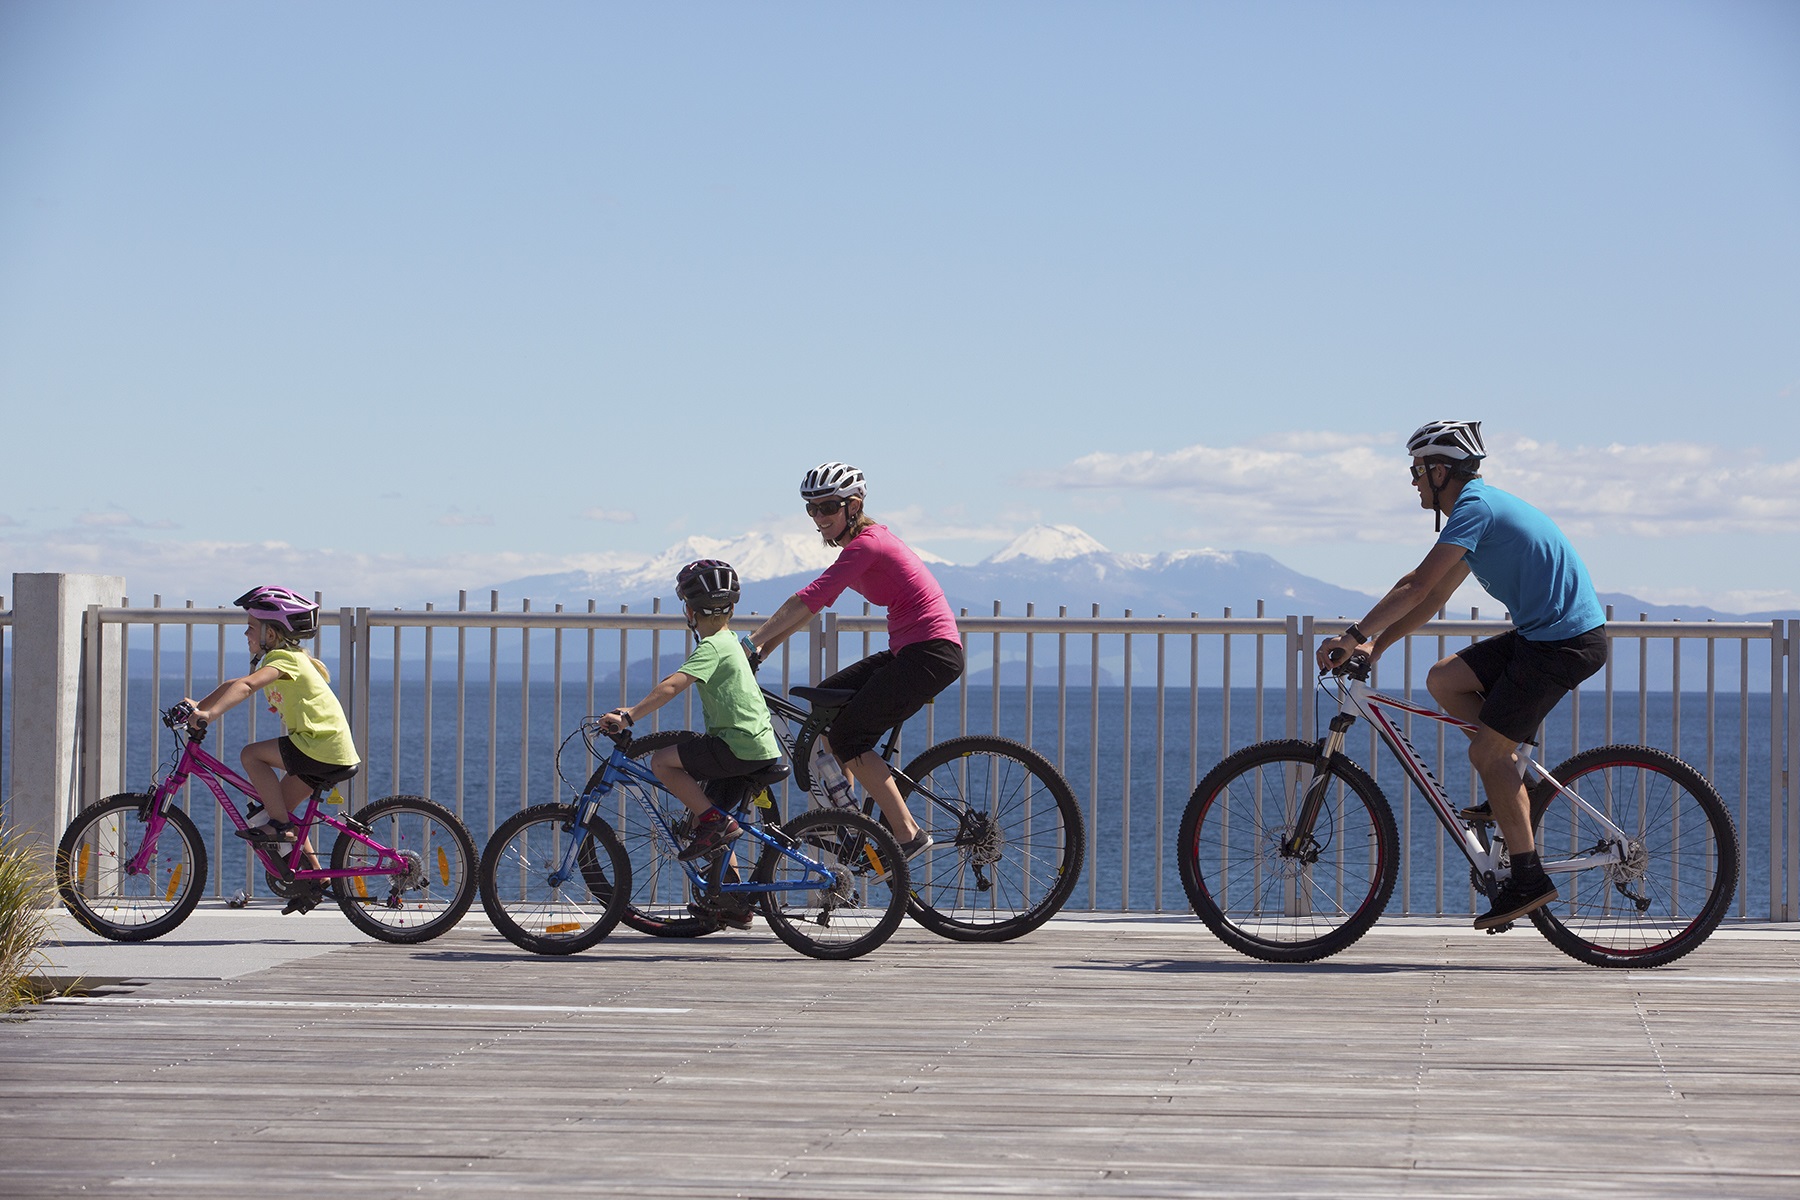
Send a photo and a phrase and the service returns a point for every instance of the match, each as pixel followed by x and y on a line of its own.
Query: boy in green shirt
pixel 739 739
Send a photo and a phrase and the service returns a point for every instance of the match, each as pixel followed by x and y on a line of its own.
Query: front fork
pixel 1300 842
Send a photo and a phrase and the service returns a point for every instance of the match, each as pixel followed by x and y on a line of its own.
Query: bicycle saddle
pixel 768 776
pixel 823 697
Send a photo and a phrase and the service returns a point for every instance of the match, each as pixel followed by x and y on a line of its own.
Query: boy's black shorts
pixel 1523 680
pixel 890 687
pixel 318 774
pixel 706 756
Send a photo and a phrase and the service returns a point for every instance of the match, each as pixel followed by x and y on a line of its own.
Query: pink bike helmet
pixel 281 606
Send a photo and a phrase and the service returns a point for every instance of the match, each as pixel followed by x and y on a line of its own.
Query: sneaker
pixel 274 831
pixel 1540 800
pixel 911 850
pixel 728 913
pixel 715 831
pixel 305 902
pixel 1515 900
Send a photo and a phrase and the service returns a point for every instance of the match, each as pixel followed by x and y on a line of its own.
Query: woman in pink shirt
pixel 924 654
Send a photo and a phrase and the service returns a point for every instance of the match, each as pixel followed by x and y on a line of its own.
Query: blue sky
pixel 391 299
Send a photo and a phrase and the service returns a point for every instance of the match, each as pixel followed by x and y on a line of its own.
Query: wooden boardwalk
pixel 1096 1058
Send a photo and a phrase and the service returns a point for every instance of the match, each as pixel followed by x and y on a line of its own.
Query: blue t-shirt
pixel 1524 561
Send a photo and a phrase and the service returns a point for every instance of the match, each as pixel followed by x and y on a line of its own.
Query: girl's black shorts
pixel 890 687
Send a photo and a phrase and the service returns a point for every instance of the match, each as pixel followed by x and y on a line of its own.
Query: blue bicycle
pixel 555 878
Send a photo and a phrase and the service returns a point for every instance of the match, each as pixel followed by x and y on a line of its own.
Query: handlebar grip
pixel 1357 666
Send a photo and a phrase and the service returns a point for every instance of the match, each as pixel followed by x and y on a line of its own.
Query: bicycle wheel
pixel 1007 839
pixel 859 909
pixel 434 891
pixel 1679 868
pixel 526 899
pixel 659 884
pixel 1269 904
pixel 107 899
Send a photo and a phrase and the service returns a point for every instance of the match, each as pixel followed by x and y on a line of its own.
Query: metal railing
pixel 470 706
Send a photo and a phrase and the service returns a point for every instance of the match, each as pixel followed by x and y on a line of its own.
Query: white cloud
pixel 211 572
pixel 1316 487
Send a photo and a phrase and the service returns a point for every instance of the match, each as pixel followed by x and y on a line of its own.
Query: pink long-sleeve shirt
pixel 879 567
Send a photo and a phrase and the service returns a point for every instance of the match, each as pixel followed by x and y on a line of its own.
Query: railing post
pixel 1778 768
pixel 1292 645
pixel 1791 774
pixel 65 708
pixel 1309 730
pixel 353 661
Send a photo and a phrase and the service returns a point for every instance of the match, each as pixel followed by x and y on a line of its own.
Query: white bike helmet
pixel 1448 439
pixel 832 479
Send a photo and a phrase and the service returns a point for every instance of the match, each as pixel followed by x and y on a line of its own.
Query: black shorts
pixel 889 687
pixel 1523 680
pixel 302 766
pixel 706 756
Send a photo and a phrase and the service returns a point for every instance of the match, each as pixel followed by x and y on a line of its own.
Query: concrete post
pixel 48 696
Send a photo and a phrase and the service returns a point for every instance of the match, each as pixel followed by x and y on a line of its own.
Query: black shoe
pixel 1515 900
pixel 921 842
pixel 1541 794
pixel 274 831
pixel 305 902
pixel 728 913
pixel 715 832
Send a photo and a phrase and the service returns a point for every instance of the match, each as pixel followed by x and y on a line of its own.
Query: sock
pixel 1527 867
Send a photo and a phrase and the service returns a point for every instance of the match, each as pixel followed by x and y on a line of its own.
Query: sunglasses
pixel 1420 470
pixel 824 508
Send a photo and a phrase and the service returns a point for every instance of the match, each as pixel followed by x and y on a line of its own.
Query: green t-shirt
pixel 309 712
pixel 730 698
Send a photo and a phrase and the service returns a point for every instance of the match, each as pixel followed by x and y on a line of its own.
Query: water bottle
pixel 829 783
pixel 254 816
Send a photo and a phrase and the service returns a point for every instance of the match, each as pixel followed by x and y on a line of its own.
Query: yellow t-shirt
pixel 308 710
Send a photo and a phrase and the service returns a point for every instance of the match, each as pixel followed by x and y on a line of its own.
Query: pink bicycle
pixel 132 867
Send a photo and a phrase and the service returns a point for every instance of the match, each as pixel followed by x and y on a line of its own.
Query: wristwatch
pixel 1354 630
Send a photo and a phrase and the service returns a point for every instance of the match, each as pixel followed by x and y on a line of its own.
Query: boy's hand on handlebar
pixel 616 721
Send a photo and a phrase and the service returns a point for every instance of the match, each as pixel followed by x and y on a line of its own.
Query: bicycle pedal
pixel 1499 928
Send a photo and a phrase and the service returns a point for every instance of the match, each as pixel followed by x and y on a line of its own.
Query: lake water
pixel 1132 831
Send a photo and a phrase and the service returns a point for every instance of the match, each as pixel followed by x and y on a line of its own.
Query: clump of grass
pixel 27 887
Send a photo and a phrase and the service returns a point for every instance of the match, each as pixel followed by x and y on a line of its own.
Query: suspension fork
pixel 1299 842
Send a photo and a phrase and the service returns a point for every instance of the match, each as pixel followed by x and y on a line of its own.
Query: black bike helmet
pixel 707 586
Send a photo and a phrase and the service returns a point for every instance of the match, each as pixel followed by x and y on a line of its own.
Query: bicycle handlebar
pixel 1357 666
pixel 181 713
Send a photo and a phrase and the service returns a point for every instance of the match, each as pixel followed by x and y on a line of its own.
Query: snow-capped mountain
pixel 1048 566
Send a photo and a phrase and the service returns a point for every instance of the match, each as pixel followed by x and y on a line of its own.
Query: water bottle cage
pixel 802 756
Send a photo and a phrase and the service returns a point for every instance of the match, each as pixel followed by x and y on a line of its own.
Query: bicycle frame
pixel 1357 699
pixel 622 769
pixel 196 763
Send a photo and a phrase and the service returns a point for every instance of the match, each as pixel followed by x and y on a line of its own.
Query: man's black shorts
pixel 1523 680
pixel 889 687
pixel 317 774
pixel 706 756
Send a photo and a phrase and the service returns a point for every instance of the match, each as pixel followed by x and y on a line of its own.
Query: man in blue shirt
pixel 1505 685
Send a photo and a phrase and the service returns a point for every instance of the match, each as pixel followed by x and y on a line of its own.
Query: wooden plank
pixel 1091 1059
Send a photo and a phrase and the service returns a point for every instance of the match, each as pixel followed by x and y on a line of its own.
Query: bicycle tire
pixel 429 899
pixel 1681 865
pixel 1273 906
pixel 863 908
pixel 1020 834
pixel 543 917
pixel 93 885
pixel 660 890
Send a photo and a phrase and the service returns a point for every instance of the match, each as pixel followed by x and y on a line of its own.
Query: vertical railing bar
pixel 1161 698
pixel 1093 863
pixel 425 766
pixel 556 701
pixel 493 708
pixel 524 709
pixel 394 745
pixel 462 699
pixel 994 667
pixel 1125 785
